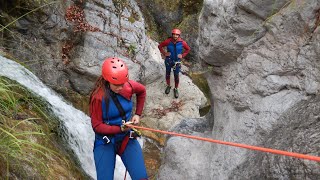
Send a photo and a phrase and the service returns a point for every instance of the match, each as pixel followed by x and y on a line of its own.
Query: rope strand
pixel 256 148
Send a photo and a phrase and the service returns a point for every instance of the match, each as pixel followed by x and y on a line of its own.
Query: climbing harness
pixel 175 65
pixel 256 148
pixel 131 134
pixel 106 139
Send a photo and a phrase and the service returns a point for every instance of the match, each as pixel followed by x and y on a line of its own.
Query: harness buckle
pixel 106 139
pixel 131 135
pixel 134 134
pixel 175 65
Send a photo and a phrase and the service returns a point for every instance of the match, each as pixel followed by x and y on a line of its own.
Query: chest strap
pixel 131 134
pixel 119 107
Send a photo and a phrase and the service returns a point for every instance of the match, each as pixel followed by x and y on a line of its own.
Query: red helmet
pixel 176 31
pixel 115 71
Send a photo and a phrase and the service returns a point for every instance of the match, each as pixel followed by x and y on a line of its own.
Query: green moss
pixel 134 17
pixel 189 24
pixel 29 148
pixel 191 7
pixel 190 10
pixel 120 5
pixel 152 28
pixel 131 19
pixel 199 80
pixel 168 5
pixel 132 49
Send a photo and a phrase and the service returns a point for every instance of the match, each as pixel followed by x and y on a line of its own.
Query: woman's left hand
pixel 135 119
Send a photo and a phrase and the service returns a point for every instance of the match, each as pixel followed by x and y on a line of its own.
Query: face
pixel 175 36
pixel 116 87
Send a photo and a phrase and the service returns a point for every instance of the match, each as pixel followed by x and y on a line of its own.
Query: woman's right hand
pixel 167 54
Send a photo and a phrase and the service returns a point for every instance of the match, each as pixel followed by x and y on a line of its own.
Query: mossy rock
pixel 30 143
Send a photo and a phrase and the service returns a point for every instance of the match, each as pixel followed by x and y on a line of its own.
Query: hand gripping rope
pixel 256 148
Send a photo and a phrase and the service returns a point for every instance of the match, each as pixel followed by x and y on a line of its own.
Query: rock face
pixel 297 131
pixel 74 52
pixel 69 44
pixel 224 30
pixel 187 158
pixel 264 85
pixel 162 16
pixel 264 81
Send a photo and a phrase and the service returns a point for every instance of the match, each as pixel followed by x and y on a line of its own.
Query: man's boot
pixel 176 93
pixel 168 89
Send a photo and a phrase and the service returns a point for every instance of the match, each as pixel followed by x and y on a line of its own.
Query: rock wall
pixel 265 69
pixel 67 43
pixel 266 78
pixel 264 58
pixel 297 131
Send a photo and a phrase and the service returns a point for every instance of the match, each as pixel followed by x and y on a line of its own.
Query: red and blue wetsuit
pixel 107 123
pixel 175 48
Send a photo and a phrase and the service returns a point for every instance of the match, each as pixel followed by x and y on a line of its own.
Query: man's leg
pixel 168 73
pixel 176 79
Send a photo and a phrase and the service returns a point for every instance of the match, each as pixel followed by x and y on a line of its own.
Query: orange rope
pixel 274 151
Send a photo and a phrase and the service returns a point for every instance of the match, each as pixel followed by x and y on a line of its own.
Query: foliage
pixel 15 148
pixel 12 13
pixel 132 49
pixel 22 132
pixel 75 14
pixel 26 13
pixel 191 7
pixel 120 5
pixel 175 107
